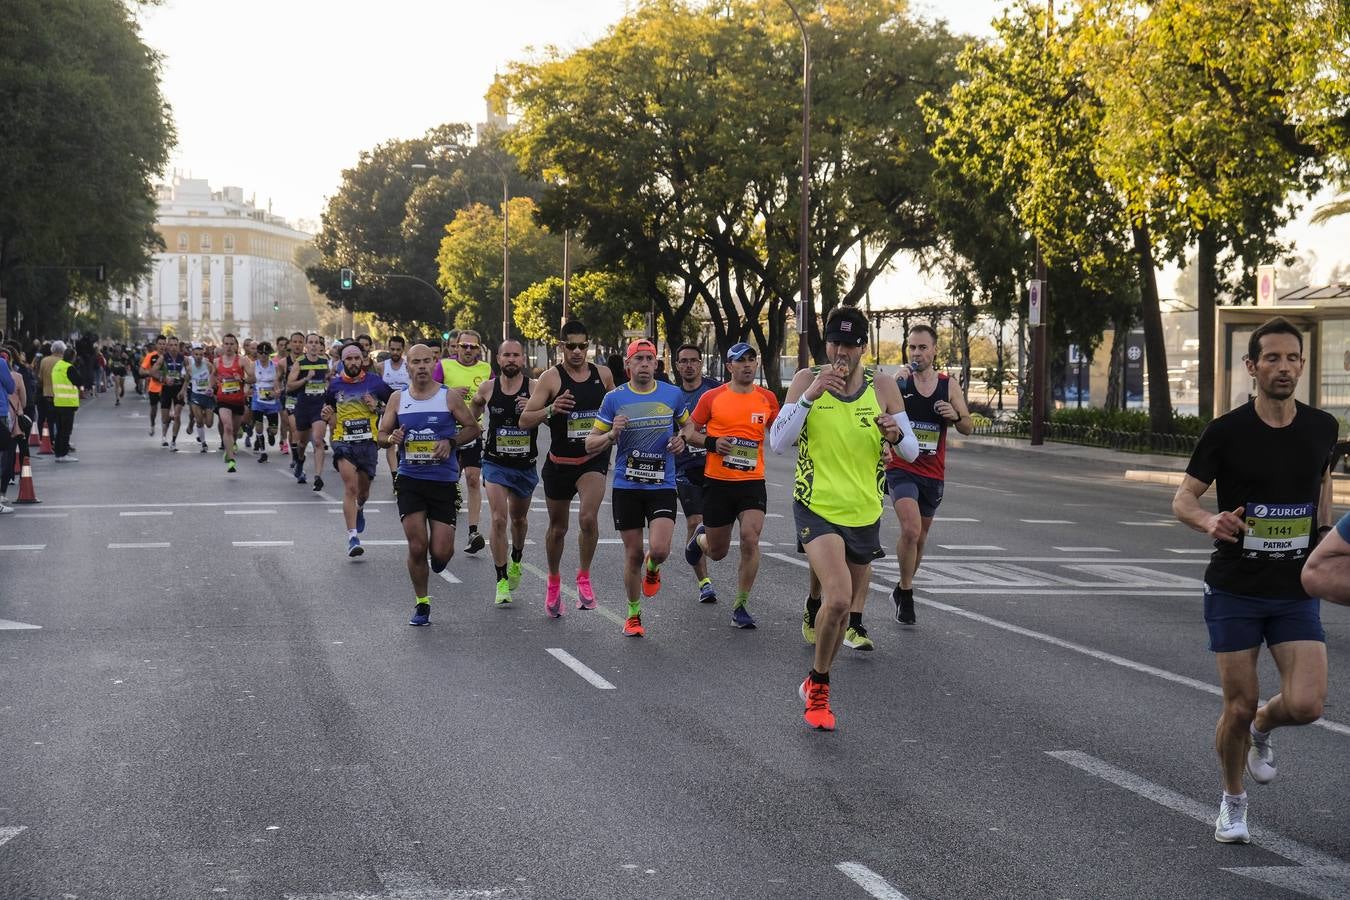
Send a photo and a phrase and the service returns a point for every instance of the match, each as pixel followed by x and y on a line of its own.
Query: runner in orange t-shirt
pixel 149 369
pixel 731 421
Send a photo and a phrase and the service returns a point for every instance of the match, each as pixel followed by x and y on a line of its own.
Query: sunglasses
pixel 468 346
pixel 571 346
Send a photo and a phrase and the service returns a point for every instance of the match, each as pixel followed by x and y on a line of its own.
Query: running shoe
pixel 904 605
pixel 173 446
pixel 301 479
pixel 152 431
pixel 262 457
pixel 857 639
pixel 651 580
pixel 421 614
pixel 503 592
pixel 741 616
pixel 318 483
pixel 285 448
pixel 808 626
pixel 692 551
pixel 360 520
pixel 164 443
pixel 553 598
pixel 272 439
pixel 6 510
pixel 707 594
pixel 817 700
pixel 632 627
pixel 513 575
pixel 354 548
pixel 1231 826
pixel 203 446
pixel 585 593
pixel 229 466
pixel 1261 760
pixel 476 543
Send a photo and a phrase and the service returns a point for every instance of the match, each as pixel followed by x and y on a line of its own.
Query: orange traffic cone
pixel 26 492
pixel 46 445
pixel 33 437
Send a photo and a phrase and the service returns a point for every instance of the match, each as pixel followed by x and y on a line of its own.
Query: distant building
pixel 228 267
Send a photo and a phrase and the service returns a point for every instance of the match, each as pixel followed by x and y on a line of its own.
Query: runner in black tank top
pixel 568 397
pixel 508 444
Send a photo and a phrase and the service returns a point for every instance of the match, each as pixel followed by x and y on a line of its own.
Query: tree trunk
pixel 1206 298
pixel 1155 350
pixel 1115 369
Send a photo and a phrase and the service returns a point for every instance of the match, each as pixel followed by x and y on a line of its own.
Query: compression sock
pixel 501 572
pixel 742 597
pixel 855 620
pixel 634 608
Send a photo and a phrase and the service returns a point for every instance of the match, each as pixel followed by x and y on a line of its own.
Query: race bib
pixel 928 435
pixel 290 403
pixel 1277 530
pixel 513 442
pixel 266 394
pixel 356 430
pixel 170 377
pixel 419 452
pixel 231 386
pixel 579 425
pixel 314 388
pixel 744 454
pixel 645 468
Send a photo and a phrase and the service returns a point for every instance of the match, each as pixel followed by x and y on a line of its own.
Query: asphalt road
pixel 219 703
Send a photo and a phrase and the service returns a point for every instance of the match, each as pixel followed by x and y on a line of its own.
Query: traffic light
pixel 347 279
pixel 445 335
pixel 276 306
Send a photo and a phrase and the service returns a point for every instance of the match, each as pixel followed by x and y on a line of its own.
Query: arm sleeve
pixel 908 448
pixel 787 427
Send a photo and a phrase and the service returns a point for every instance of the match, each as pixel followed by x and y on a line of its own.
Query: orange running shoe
pixel 817 700
pixel 651 580
pixel 633 627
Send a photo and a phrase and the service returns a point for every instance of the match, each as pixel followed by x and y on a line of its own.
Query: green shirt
pixel 839 470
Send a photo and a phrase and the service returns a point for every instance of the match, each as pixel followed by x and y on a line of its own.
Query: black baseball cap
pixel 846 325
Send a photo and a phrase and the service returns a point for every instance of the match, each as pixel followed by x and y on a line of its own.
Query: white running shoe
pixel 1231 826
pixel 1261 760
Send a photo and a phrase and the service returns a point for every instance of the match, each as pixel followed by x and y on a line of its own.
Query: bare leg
pixel 1237 675
pixel 473 477
pixel 591 489
pixel 1303 685
pixel 559 511
pixel 415 530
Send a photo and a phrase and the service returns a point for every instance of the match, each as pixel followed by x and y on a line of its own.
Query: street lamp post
pixel 506 257
pixel 804 310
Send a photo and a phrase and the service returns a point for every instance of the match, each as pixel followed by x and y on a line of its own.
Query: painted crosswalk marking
pixel 870 881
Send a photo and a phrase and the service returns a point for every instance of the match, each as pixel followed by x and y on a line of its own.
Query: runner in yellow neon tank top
pixel 465 373
pixel 840 416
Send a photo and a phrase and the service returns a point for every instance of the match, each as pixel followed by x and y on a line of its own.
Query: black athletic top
pixel 508 444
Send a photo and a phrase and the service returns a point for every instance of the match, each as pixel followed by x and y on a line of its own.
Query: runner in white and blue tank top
pixel 426 423
pixel 266 401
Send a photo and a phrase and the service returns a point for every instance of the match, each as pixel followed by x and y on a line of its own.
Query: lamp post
pixel 804 310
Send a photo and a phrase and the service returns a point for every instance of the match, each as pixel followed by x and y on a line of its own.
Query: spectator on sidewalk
pixel 11 408
pixel 67 382
pixel 46 409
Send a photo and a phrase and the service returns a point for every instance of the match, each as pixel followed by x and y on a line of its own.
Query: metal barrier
pixel 1095 436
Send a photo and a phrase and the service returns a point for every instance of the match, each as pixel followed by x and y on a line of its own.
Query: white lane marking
pixel 1288 848
pixel 1086 550
pixel 159 545
pixel 1060 559
pixel 1206 551
pixel 970 547
pixel 1323 882
pixel 1149 524
pixel 870 881
pixel 1047 521
pixel 250 512
pixel 339 510
pixel 23 546
pixel 980 487
pixel 773 515
pixel 8 625
pixel 263 543
pixel 953 519
pixel 8 834
pixel 402 543
pixel 1121 661
pixel 1095 591
pixel 147 512
pixel 405 886
pixel 576 665
pixel 314 502
pixel 448 577
pixel 43 515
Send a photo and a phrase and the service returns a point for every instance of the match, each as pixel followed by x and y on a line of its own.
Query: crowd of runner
pixel 452 427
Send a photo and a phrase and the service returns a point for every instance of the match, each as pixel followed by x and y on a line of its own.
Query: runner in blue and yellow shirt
pixel 351 406
pixel 642 418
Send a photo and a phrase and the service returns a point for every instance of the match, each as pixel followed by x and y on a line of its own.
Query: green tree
pixel 84 131
pixel 470 262
pixel 602 300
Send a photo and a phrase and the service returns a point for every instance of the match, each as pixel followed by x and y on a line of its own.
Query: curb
pixel 1340 489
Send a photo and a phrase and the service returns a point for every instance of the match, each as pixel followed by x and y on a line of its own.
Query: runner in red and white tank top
pixel 933 402
pixel 230 375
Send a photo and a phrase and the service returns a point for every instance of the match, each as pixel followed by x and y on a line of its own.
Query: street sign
pixel 634 333
pixel 1035 292
pixel 1265 285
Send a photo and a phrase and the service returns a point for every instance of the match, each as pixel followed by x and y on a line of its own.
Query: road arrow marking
pixel 7 625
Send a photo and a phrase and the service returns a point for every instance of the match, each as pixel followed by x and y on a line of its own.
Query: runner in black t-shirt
pixel 1269 459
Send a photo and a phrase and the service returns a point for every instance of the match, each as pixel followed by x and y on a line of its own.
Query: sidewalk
pixel 1147 467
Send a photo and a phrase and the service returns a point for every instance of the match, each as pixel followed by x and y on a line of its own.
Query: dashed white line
pixel 263 543
pixel 954 519
pixel 1047 521
pixel 448 577
pixel 147 512
pixel 43 515
pixel 250 512
pixel 870 881
pixel 970 547
pixel 1287 847
pixel 1086 550
pixel 9 625
pixel 580 668
pixel 8 834
pixel 23 546
pixel 1149 524
pixel 156 545
pixel 1207 551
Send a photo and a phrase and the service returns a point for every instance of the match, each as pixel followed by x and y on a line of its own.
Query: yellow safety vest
pixel 63 392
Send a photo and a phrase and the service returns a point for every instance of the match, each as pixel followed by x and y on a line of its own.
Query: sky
pixel 279 96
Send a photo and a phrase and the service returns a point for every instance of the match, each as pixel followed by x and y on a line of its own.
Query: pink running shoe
pixel 585 594
pixel 553 599
pixel 285 447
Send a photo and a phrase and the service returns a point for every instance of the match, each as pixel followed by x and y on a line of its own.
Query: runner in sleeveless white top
pixel 266 401
pixel 395 374
pixel 201 401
